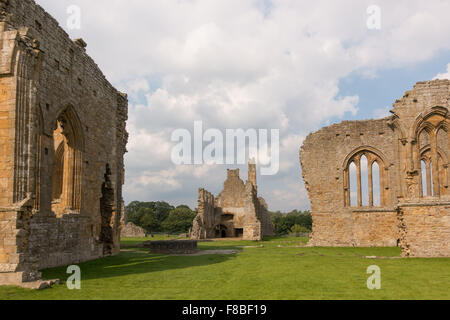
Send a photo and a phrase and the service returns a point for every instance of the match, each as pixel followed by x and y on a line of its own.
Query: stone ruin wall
pixel 51 91
pixel 267 227
pixel 239 201
pixel 420 225
pixel 424 222
pixel 130 230
pixel 323 158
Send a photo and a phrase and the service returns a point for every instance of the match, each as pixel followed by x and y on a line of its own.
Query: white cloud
pixel 243 63
pixel 379 113
pixel 444 75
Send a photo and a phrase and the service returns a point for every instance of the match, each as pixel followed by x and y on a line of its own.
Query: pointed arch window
pixel 66 179
pixel 433 144
pixel 364 180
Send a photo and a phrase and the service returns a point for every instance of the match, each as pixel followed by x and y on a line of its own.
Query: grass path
pixel 278 270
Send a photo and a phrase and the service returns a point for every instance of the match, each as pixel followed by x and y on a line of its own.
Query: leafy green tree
pixel 150 222
pixel 179 220
pixel 299 229
pixel 284 222
pixel 136 209
pixel 162 210
pixel 135 216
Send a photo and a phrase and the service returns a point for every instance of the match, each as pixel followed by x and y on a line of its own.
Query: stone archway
pixel 221 231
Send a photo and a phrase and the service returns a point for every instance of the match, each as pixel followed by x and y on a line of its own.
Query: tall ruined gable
pixel 233 193
pixel 235 212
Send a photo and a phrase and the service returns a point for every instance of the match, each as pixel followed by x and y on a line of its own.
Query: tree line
pixel 160 216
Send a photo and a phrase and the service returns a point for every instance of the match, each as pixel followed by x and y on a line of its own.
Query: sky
pixel 290 65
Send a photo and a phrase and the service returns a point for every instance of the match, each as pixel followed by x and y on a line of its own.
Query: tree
pixel 284 222
pixel 299 229
pixel 162 210
pixel 179 220
pixel 150 222
pixel 136 209
pixel 134 216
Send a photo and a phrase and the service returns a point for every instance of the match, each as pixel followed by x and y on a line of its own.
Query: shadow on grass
pixel 135 262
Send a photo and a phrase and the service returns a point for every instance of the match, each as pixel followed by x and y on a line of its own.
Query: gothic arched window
pixel 66 180
pixel 364 180
pixel 433 143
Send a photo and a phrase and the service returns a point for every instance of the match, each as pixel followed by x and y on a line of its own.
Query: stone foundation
pixel 172 246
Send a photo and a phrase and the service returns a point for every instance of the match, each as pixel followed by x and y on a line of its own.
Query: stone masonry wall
pixel 323 157
pixel 45 76
pixel 130 230
pixel 426 230
pixel 413 212
pixel 235 212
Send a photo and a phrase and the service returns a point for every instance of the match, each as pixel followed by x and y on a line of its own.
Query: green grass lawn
pixel 281 269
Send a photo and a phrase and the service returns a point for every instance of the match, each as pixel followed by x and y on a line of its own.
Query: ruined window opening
pixel 353 185
pixel 363 186
pixel 433 164
pixel 423 170
pixel 227 217
pixel 66 179
pixel 364 181
pixel 442 164
pixel 376 184
pixel 58 173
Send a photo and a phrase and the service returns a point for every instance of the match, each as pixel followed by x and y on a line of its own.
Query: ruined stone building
pixel 384 182
pixel 235 212
pixel 130 230
pixel 62 141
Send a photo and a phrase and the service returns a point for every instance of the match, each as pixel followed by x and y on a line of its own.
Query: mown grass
pixel 281 269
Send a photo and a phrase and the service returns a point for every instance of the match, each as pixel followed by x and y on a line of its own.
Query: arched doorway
pixel 221 231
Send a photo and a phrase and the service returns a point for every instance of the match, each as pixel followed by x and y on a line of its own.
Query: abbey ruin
pixel 62 142
pixel 235 212
pixel 384 182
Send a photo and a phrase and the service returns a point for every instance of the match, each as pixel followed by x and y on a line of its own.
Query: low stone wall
pixel 172 246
